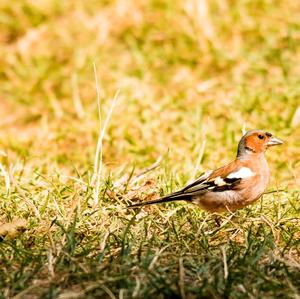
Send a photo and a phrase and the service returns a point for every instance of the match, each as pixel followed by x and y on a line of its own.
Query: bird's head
pixel 256 142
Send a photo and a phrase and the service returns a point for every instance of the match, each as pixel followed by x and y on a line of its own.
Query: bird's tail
pixel 168 198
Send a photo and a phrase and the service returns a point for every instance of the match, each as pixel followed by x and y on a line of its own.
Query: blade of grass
pixel 98 161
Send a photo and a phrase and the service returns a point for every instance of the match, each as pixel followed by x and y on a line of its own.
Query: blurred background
pixel 190 75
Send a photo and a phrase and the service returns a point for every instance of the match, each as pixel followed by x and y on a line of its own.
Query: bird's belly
pixel 255 190
pixel 219 201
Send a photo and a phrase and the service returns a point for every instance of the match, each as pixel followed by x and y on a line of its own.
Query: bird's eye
pixel 261 136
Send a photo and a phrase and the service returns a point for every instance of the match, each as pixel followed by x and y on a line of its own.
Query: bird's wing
pixel 225 178
pixel 216 184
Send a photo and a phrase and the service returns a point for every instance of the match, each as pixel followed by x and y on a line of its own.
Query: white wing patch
pixel 242 173
pixel 219 181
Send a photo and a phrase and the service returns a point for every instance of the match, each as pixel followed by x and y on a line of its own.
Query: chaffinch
pixel 234 185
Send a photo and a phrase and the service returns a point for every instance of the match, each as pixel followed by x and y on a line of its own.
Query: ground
pixel 181 80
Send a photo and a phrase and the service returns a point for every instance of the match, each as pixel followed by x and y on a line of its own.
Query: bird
pixel 233 186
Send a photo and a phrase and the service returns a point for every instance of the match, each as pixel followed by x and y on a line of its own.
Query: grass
pixel 190 74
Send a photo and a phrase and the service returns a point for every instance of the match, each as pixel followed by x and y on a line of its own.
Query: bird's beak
pixel 274 141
